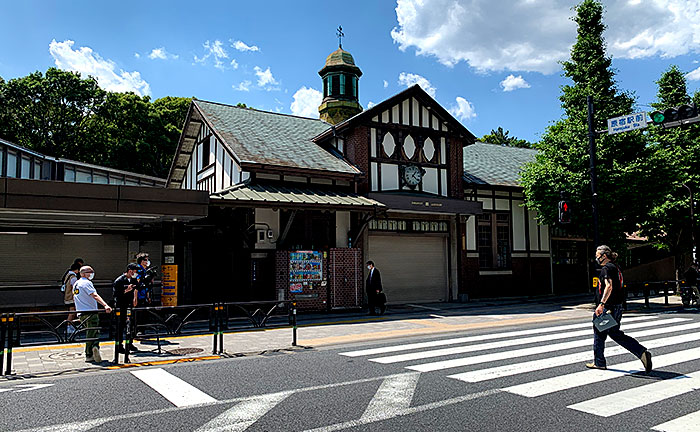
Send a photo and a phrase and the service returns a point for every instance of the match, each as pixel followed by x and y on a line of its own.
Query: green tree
pixel 500 137
pixel 623 160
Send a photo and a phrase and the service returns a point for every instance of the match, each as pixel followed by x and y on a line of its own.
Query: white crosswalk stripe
pixel 681 424
pixel 174 389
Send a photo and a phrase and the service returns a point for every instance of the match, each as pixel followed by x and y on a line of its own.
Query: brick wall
pixel 357 151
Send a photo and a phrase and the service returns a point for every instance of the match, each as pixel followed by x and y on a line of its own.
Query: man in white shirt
pixel 86 299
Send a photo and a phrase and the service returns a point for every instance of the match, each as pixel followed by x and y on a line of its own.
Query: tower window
pixel 335 85
pixel 342 85
pixel 325 86
pixel 350 86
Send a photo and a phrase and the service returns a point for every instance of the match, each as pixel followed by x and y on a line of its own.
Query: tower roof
pixel 340 60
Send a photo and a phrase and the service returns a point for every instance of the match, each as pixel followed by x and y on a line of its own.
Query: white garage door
pixel 413 268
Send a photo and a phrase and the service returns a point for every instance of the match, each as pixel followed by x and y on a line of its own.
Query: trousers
pixel 627 342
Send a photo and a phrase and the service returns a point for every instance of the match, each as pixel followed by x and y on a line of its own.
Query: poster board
pixel 168 296
pixel 304 267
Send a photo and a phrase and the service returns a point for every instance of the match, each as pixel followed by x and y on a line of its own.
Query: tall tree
pixel 500 137
pixel 562 163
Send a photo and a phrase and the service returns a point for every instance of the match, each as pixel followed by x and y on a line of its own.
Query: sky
pixel 491 63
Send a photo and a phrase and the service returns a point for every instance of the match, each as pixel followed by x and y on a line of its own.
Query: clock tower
pixel 340 78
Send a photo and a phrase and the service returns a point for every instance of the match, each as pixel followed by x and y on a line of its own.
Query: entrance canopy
pixel 426 204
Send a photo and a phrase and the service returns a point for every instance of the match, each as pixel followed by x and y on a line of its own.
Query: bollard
pixel 666 293
pixel 222 325
pixel 117 334
pixel 129 334
pixel 215 327
pixel 3 327
pixel 294 324
pixel 646 295
pixel 10 340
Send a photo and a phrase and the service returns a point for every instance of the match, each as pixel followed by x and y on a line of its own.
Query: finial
pixel 340 35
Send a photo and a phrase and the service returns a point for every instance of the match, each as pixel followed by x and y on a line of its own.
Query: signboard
pixel 168 297
pixel 627 123
pixel 304 267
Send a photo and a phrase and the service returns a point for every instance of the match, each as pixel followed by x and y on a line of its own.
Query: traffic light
pixel 674 114
pixel 564 212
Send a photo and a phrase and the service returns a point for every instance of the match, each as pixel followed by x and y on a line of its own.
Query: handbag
pixel 604 322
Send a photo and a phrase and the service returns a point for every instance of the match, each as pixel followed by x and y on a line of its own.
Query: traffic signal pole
pixel 591 150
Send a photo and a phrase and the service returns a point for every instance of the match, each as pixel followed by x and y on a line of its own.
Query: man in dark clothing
pixel 145 277
pixel 125 296
pixel 691 278
pixel 610 296
pixel 374 289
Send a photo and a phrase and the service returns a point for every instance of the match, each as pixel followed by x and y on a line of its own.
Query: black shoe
pixel 120 349
pixel 133 349
pixel 646 361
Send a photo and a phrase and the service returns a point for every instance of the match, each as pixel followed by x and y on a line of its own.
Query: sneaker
pixel 89 359
pixel 646 361
pixel 96 354
pixel 594 366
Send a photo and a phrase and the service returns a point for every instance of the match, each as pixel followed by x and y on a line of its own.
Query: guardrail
pixel 142 323
pixel 645 289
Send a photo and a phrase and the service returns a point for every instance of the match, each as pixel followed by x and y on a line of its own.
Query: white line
pixel 627 400
pixel 454 341
pixel 466 361
pixel 681 424
pixel 535 365
pixel 507 343
pixel 577 379
pixel 436 316
pixel 73 427
pixel 424 307
pixel 241 416
pixel 177 391
pixel 393 396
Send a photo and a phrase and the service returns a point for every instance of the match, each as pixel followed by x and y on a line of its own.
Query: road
pixel 506 378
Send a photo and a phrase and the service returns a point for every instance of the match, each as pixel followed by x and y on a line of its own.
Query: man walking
pixel 610 296
pixel 375 298
pixel 69 279
pixel 86 299
pixel 125 296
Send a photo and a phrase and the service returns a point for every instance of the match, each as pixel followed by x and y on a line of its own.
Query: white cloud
pixel 161 54
pixel 512 82
pixel 216 50
pixel 694 75
pixel 536 35
pixel 234 64
pixel 370 104
pixel 87 62
pixel 243 86
pixel 137 55
pixel 242 46
pixel 464 110
pixel 265 78
pixel 409 79
pixel 386 83
pixel 306 102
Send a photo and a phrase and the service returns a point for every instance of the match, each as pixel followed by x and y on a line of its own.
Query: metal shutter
pixel 413 268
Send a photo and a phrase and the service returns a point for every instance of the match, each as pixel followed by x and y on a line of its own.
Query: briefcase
pixel 604 321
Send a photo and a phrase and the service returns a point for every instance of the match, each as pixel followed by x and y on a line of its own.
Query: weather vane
pixel 340 35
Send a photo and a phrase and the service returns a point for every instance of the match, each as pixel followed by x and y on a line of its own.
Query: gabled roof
pixel 414 91
pixel 495 165
pixel 266 138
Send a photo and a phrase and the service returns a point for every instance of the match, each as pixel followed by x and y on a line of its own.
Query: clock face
pixel 412 175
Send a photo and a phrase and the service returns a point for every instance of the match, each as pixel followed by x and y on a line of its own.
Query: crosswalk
pixel 468 359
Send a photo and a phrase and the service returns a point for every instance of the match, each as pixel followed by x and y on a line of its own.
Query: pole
pixel 591 150
pixel 692 223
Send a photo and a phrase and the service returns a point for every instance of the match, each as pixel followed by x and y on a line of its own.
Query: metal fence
pixel 143 323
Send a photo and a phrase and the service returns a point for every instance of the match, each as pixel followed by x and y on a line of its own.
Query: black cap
pixel 132 266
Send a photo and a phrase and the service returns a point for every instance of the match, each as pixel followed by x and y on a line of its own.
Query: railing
pixel 644 289
pixel 143 323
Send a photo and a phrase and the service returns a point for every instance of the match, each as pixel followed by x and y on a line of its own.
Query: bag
pixel 604 322
pixel 381 298
pixel 64 281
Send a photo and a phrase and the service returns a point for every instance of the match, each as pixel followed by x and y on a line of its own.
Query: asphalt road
pixel 488 379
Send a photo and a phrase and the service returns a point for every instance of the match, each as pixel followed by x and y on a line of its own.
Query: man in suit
pixel 374 288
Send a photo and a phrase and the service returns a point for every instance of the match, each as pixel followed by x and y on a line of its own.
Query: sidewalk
pixel 317 330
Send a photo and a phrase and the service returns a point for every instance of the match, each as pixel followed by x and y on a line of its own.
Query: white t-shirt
pixel 82 291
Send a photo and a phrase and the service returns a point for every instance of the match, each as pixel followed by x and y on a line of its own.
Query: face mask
pixel 369 268
pixel 91 276
pixel 599 260
pixel 148 263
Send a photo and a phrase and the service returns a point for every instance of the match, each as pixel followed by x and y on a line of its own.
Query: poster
pixel 304 267
pixel 168 296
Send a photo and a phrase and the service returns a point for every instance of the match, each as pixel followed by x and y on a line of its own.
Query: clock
pixel 412 175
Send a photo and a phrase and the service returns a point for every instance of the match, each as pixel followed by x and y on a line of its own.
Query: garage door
pixel 413 268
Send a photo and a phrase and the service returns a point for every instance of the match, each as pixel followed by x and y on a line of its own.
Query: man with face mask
pixel 145 278
pixel 375 297
pixel 609 295
pixel 86 299
pixel 125 296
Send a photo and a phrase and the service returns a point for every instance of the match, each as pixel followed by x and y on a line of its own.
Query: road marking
pixel 423 307
pixel 30 387
pixel 241 416
pixel 454 341
pixel 681 424
pixel 577 379
pixel 466 361
pixel 72 427
pixel 177 391
pixel 506 343
pixel 436 316
pixel 393 396
pixel 627 400
pixel 407 411
pixel 546 363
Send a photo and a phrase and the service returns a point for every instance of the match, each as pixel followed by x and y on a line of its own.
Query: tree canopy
pixel 61 114
pixel 500 137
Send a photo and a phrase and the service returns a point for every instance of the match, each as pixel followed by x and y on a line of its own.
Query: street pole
pixel 692 223
pixel 591 150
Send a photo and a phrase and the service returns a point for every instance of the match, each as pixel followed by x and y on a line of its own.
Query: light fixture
pixel 14 232
pixel 82 234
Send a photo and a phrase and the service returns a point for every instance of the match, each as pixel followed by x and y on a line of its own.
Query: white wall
pixel 271 218
pixel 342 226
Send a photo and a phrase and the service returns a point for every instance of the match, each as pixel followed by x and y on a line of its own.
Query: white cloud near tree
pixel 409 79
pixel 242 46
pixel 386 83
pixel 214 50
pixel 512 82
pixel 161 54
pixel 265 78
pixel 306 102
pixel 535 35
pixel 87 62
pixel 243 86
pixel 694 75
pixel 463 110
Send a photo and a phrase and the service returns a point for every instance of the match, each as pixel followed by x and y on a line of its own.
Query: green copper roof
pixel 340 60
pixel 495 165
pixel 268 138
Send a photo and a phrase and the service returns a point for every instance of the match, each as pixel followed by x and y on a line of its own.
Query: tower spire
pixel 341 35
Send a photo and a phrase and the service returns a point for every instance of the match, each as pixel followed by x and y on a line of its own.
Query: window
pixel 326 85
pixel 37 170
pixel 493 240
pixel 335 85
pixel 83 176
pixel 26 169
pixel 206 152
pixel 69 175
pixel 350 86
pixel 11 164
pixel 99 177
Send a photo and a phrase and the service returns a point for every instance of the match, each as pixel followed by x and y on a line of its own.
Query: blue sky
pixel 491 63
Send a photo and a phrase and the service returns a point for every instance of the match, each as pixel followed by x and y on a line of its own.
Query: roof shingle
pixel 495 165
